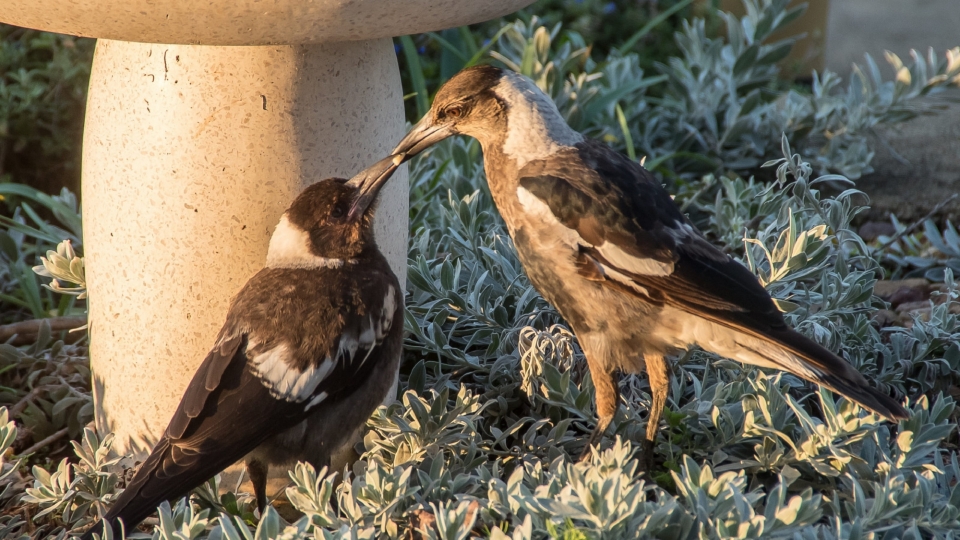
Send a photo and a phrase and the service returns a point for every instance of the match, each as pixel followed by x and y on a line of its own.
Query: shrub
pixel 43 86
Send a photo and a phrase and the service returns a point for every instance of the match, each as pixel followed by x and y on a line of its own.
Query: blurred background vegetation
pixel 43 87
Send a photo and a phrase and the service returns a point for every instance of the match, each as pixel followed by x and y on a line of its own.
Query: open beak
pixel 422 136
pixel 370 180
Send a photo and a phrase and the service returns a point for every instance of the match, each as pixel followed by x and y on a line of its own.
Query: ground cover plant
pixel 495 400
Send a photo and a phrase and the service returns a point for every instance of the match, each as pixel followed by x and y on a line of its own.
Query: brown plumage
pixel 604 243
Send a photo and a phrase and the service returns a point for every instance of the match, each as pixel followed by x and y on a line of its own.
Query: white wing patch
pixel 318 399
pixel 386 317
pixel 349 344
pixel 621 260
pixel 634 265
pixel 610 273
pixel 374 328
pixel 537 209
pixel 275 367
pixel 290 248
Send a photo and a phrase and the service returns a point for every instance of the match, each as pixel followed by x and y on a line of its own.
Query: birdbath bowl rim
pixel 249 22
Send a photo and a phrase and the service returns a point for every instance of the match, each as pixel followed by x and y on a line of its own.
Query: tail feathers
pixel 130 507
pixel 868 397
pixel 825 368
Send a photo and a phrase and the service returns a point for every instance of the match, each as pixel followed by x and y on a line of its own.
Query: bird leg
pixel 659 377
pixel 607 397
pixel 258 477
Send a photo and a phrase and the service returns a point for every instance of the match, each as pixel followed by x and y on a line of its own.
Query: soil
pixel 918 168
pixel 927 170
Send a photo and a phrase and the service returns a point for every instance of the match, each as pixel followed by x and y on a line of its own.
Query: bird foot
pixel 595 437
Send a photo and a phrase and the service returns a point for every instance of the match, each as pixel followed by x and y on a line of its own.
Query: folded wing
pixel 628 234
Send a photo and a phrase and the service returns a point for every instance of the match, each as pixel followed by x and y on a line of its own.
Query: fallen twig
pixel 21 405
pixel 893 239
pixel 26 332
pixel 45 442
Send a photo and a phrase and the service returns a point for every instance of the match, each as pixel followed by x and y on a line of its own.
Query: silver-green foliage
pixel 63 265
pixel 25 236
pixel 11 525
pixel 47 386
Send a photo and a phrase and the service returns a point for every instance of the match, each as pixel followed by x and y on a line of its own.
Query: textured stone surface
pixel 249 22
pixel 190 156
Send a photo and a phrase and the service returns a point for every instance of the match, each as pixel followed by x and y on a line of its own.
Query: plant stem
pixel 45 442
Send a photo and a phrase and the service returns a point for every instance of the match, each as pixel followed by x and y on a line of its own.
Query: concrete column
pixel 190 155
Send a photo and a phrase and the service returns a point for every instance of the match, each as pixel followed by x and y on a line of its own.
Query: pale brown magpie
pixel 310 348
pixel 603 241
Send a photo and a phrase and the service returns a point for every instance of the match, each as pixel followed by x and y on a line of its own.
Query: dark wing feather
pixel 611 201
pixel 236 417
pixel 607 197
pixel 206 380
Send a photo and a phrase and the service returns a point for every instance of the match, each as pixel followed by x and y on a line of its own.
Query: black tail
pixel 170 472
pixel 235 418
pixel 837 374
pixel 130 507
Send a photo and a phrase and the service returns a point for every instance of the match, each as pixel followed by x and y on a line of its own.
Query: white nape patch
pixel 535 128
pixel 620 260
pixel 290 248
pixel 635 265
pixel 316 400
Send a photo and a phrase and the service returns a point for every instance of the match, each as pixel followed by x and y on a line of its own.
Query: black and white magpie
pixel 604 243
pixel 310 348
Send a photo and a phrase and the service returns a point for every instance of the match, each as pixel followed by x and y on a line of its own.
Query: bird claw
pixel 646 458
pixel 595 437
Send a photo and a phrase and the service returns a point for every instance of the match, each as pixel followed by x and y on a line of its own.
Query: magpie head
pixel 331 220
pixel 500 108
pixel 467 104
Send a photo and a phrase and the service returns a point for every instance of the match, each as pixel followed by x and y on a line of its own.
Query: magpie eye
pixel 338 211
pixel 454 112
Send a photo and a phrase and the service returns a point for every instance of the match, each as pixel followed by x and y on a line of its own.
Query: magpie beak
pixel 422 136
pixel 370 180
